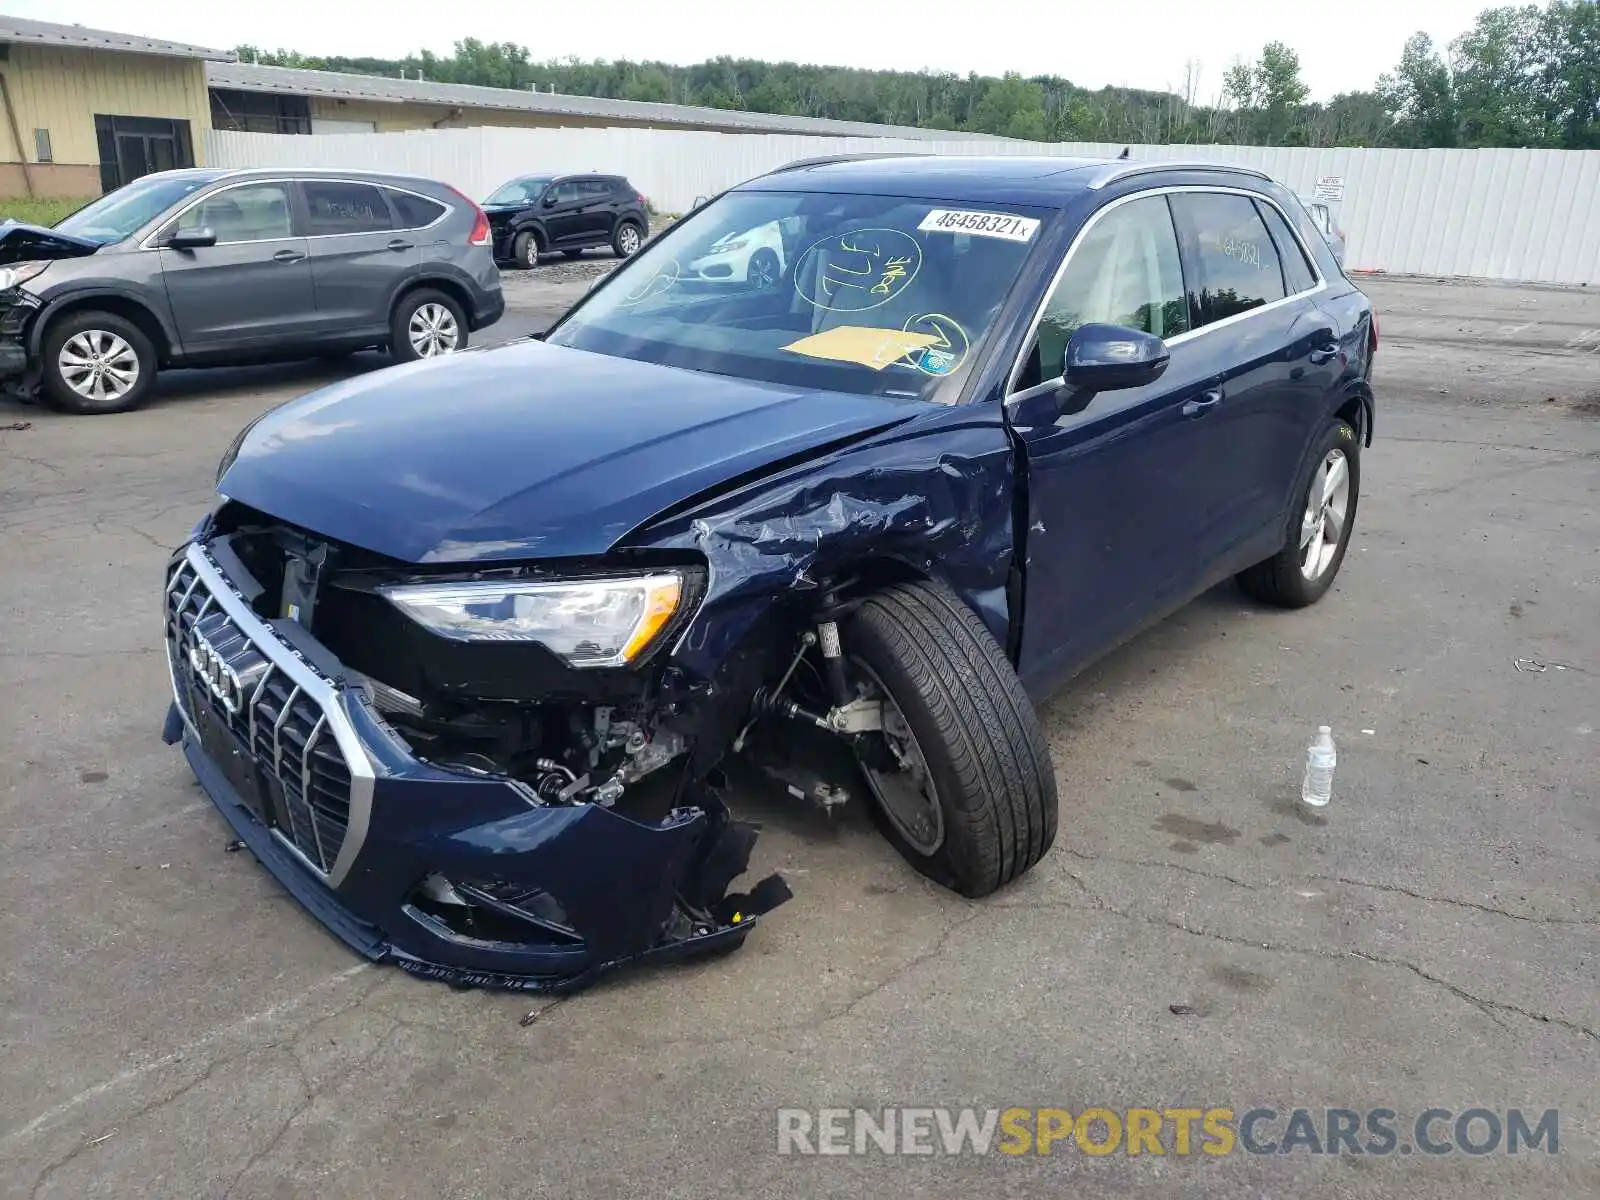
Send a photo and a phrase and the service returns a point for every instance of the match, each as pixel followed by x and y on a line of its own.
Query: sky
pixel 1343 44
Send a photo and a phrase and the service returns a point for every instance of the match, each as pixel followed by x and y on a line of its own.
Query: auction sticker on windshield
pixel 984 224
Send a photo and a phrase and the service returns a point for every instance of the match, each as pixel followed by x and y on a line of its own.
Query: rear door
pixel 1271 350
pixel 599 208
pixel 253 288
pixel 359 252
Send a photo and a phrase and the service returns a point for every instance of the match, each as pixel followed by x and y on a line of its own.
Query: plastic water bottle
pixel 1321 757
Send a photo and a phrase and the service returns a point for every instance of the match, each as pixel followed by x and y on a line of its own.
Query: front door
pixel 358 255
pixel 254 285
pixel 563 213
pixel 1115 491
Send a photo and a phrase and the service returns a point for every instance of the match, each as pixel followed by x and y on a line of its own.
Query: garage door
pixel 334 125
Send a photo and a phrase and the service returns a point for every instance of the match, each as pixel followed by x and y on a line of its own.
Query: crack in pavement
pixel 1099 904
pixel 1346 880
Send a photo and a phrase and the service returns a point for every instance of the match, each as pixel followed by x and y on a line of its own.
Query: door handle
pixel 1324 354
pixel 287 256
pixel 1206 402
pixel 399 244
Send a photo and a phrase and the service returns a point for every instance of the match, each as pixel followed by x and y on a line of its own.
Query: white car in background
pixel 753 258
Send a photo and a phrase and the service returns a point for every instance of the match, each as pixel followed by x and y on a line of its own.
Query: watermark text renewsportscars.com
pixel 1160 1132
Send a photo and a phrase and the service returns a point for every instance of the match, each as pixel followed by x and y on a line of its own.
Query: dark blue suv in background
pixel 471 651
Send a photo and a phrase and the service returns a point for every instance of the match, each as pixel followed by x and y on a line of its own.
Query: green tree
pixel 1420 96
pixel 1570 35
pixel 1499 74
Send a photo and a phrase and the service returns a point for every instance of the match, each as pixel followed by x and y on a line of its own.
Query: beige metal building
pixel 86 109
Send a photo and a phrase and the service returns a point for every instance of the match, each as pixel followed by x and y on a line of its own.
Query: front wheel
pixel 525 249
pixel 625 242
pixel 763 271
pixel 96 362
pixel 426 324
pixel 1319 534
pixel 960 772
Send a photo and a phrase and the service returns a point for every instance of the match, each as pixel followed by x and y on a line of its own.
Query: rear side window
pixel 594 188
pixel 414 211
pixel 337 207
pixel 1237 261
pixel 1297 273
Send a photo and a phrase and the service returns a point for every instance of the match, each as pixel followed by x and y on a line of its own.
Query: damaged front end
pixel 477 811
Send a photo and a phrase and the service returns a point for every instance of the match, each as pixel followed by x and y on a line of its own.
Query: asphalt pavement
pixel 173 1025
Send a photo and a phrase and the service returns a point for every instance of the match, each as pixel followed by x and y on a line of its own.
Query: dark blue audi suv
pixel 467 650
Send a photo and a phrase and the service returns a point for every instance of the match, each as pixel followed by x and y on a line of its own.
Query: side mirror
pixel 192 239
pixel 1106 358
pixel 1098 358
pixel 549 200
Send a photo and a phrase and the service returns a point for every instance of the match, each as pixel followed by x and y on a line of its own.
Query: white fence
pixel 1529 215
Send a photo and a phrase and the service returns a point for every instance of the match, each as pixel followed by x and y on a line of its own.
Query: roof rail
pixel 824 160
pixel 1122 170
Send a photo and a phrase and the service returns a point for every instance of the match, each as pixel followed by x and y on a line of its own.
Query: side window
pixel 337 207
pixel 414 211
pixel 243 214
pixel 596 189
pixel 1297 273
pixel 1238 264
pixel 564 193
pixel 1126 271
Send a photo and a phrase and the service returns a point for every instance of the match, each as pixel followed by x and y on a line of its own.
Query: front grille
pixel 219 671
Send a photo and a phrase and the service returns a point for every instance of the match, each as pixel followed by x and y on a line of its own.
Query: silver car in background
pixel 1322 218
pixel 204 267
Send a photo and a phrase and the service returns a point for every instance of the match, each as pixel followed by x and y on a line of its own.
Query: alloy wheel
pixel 907 795
pixel 433 330
pixel 99 365
pixel 1322 529
pixel 628 240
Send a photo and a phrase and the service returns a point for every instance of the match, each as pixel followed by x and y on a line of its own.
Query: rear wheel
pixel 426 324
pixel 1303 571
pixel 960 772
pixel 96 362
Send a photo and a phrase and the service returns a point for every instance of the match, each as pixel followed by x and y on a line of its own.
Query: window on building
pixel 259 112
pixel 135 146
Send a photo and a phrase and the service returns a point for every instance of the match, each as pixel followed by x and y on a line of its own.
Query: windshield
pixel 519 191
pixel 117 214
pixel 869 294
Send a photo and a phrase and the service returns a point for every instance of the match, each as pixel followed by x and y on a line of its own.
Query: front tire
pixel 763 271
pixel 426 324
pixel 526 248
pixel 1319 532
pixel 957 720
pixel 627 239
pixel 96 362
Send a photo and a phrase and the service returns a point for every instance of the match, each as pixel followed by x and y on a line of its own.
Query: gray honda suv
pixel 208 267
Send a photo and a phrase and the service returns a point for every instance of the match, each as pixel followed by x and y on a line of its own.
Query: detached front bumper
pixel 451 876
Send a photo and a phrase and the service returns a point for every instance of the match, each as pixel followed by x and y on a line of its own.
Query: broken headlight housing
pixel 601 622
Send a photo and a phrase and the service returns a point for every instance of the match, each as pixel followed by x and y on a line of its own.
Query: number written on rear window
pixel 345 207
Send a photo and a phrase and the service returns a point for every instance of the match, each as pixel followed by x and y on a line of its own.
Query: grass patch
pixel 39 210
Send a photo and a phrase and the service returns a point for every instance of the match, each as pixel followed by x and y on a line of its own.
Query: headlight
pixel 11 276
pixel 590 623
pixel 729 247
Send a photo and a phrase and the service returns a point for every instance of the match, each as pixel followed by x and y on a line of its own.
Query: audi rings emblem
pixel 217 675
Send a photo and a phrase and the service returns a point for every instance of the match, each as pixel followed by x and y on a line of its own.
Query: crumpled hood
pixel 20 242
pixel 525 451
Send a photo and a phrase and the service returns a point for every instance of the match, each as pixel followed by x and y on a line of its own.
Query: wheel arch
pixel 439 283
pixel 129 308
pixel 1355 407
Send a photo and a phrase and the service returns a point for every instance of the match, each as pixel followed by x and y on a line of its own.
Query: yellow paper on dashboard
pixel 861 344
